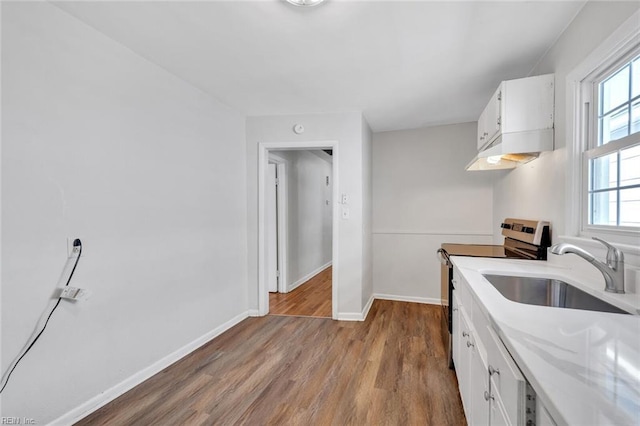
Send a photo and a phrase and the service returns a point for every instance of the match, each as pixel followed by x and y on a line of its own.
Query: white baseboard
pixel 253 313
pixel 426 300
pixel 367 307
pixel 361 316
pixel 350 316
pixel 307 277
pixel 357 316
pixel 109 395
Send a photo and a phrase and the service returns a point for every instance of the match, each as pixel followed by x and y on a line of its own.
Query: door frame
pixel 264 150
pixel 282 203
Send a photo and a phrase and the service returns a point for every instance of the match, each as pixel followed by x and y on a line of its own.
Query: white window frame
pixel 592 150
pixel 582 83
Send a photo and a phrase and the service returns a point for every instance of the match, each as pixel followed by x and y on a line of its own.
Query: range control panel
pixel 529 231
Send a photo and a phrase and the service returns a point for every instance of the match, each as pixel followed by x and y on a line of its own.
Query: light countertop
pixel 583 365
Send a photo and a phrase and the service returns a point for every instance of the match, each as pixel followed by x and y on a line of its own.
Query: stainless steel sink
pixel 548 292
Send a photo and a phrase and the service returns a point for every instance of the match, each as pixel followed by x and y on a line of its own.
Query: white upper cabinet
pixel 489 121
pixel 521 106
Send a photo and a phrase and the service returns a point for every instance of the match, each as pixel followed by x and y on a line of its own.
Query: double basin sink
pixel 548 292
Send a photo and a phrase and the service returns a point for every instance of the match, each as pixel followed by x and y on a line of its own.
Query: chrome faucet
pixel 613 270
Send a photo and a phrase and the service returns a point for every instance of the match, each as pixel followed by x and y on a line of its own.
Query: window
pixel 612 154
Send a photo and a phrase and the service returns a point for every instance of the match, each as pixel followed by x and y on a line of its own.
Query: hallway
pixel 311 299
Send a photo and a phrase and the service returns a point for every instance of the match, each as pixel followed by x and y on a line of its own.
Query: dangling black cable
pixel 76 243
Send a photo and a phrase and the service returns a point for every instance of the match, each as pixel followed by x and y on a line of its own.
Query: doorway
pixel 306 279
pixel 299 213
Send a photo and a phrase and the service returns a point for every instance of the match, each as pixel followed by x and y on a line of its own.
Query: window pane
pixel 635 84
pixel 603 208
pixel 615 90
pixel 614 125
pixel 630 207
pixel 630 166
pixel 635 115
pixel 603 172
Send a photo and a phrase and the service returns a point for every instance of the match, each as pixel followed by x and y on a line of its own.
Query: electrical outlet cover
pixel 74 293
pixel 71 250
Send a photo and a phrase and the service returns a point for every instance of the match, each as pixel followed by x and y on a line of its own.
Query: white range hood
pixel 512 149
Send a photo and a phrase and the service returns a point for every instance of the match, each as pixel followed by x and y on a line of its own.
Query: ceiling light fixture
pixel 305 2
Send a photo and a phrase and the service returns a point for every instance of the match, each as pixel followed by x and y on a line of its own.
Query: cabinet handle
pixel 469 344
pixel 465 334
pixel 493 371
pixel 481 138
pixel 486 134
pixel 455 309
pixel 488 396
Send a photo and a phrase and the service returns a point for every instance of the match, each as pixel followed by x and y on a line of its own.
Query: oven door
pixel 446 271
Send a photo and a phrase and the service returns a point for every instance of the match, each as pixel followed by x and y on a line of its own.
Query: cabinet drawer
pixel 507 383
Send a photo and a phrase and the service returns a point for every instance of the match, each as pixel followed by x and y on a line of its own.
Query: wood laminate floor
pixel 281 370
pixel 311 299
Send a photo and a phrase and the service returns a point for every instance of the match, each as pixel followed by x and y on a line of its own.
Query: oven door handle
pixel 443 257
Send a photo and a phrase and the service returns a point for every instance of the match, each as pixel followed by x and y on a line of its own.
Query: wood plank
pixel 390 369
pixel 310 299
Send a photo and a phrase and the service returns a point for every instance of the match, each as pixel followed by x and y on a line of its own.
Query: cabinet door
pixel 482 130
pixel 463 363
pixel 479 386
pixel 492 116
pixel 507 381
pixel 489 121
pixel 497 415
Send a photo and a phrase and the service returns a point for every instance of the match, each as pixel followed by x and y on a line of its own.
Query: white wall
pixel 545 178
pixel 346 128
pixel 148 171
pixel 423 197
pixel 309 218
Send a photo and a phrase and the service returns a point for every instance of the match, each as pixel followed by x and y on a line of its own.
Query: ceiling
pixel 404 64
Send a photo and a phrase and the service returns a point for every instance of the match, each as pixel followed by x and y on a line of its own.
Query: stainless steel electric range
pixel 524 239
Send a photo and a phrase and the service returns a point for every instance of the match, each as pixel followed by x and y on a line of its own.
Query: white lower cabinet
pixel 492 388
pixel 471 368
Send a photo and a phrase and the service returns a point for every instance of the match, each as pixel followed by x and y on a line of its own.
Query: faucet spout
pixel 612 270
pixel 564 248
